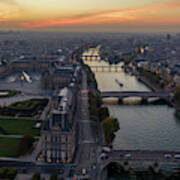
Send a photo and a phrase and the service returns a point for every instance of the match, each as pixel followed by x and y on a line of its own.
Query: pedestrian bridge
pixel 142 94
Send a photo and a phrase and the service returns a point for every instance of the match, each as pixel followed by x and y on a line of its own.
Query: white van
pixel 84 171
pixel 177 156
pixel 128 156
pixel 168 156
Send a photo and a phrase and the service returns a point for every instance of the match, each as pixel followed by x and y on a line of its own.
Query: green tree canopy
pixel 53 177
pixel 110 126
pixel 36 176
pixel 177 95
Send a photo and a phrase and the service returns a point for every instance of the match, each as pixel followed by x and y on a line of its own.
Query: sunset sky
pixel 90 15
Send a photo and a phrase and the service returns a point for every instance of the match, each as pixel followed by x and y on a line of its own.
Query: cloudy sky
pixel 92 15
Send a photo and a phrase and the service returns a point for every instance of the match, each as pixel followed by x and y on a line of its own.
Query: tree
pixel 8 173
pixel 110 126
pixel 25 144
pixel 36 176
pixel 12 173
pixel 103 113
pixel 177 95
pixel 3 172
pixel 98 100
pixel 53 177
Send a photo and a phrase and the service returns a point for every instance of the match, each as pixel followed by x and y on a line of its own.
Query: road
pixel 145 155
pixel 141 156
pixel 143 94
pixel 15 136
pixel 87 146
pixel 32 167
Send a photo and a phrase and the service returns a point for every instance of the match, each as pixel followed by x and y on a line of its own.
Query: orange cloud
pixel 159 15
pixel 89 20
pixel 131 16
pixel 9 11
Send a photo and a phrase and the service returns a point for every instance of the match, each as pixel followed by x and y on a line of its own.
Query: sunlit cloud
pixel 9 11
pixel 32 14
pixel 145 15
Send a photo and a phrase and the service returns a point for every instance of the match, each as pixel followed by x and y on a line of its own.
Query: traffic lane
pixel 138 156
pixel 87 132
pixel 143 156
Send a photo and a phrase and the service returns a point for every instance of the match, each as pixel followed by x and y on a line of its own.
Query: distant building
pixel 168 36
pixel 177 80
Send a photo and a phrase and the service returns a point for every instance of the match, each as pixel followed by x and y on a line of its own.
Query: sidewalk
pixel 15 136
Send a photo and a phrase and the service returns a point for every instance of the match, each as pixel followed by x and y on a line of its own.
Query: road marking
pixel 86 142
pixel 86 121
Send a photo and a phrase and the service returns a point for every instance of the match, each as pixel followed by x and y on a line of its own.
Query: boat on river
pixel 119 83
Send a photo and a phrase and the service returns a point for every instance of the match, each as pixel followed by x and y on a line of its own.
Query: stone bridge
pixel 91 57
pixel 145 158
pixel 142 94
pixel 113 68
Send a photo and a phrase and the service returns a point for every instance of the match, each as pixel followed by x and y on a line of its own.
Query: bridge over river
pixel 165 160
pixel 142 94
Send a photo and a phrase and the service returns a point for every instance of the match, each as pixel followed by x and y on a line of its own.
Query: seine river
pixel 152 127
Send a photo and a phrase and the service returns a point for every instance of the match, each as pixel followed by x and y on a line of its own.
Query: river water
pixel 152 127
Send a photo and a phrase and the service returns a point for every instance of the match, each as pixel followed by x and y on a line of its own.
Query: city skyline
pixel 104 15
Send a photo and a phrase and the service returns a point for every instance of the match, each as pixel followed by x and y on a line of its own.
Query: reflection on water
pixel 141 127
pixel 106 80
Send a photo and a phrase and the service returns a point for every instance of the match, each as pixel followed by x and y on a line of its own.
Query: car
pixel 84 172
pixel 177 156
pixel 126 163
pixel 72 170
pixel 106 149
pixel 24 170
pixel 168 156
pixel 49 160
pixel 103 156
pixel 128 155
pixel 122 154
pixel 156 164
pixel 84 92
pixel 61 171
pixel 94 166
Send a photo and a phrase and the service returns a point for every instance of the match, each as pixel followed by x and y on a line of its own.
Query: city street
pixel 87 147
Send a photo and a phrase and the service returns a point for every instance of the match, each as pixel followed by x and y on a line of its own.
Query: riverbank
pixel 154 87
pixel 150 79
pixel 145 82
pixel 104 125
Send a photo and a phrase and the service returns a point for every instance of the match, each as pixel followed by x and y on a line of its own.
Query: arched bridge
pixel 142 94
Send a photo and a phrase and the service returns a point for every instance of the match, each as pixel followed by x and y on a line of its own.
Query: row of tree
pixel 37 176
pixel 177 96
pixel 154 78
pixel 8 173
pixel 98 112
